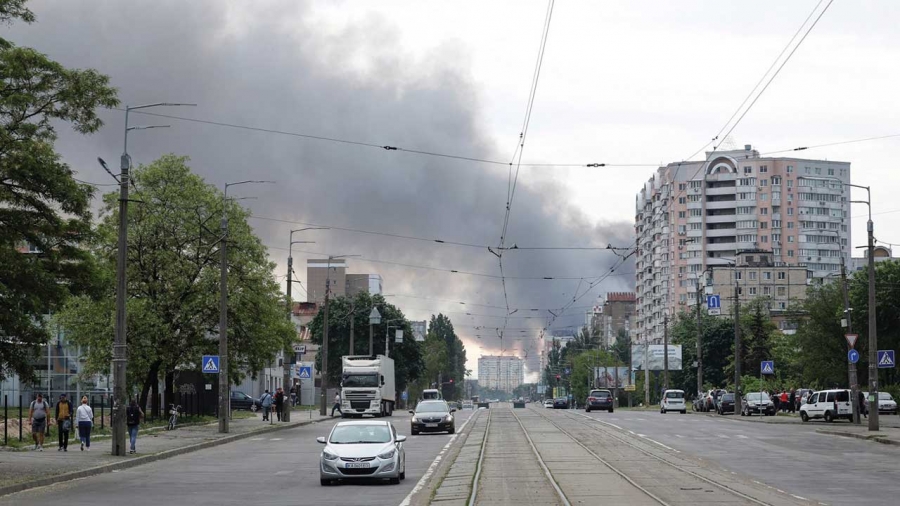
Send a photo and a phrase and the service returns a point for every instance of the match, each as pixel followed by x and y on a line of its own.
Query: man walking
pixel 279 402
pixel 337 404
pixel 266 402
pixel 133 415
pixel 63 417
pixel 793 400
pixel 37 416
pixel 293 395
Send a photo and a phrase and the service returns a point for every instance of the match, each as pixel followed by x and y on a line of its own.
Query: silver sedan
pixel 367 449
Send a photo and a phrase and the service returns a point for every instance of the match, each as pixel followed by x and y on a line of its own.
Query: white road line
pixel 275 439
pixel 631 432
pixel 437 460
pixel 723 436
pixel 660 444
pixel 798 497
pixel 679 435
pixel 741 436
pixel 641 419
pixel 256 439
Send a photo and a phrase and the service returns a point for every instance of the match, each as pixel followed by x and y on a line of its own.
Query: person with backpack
pixel 266 402
pixel 63 417
pixel 37 417
pixel 84 417
pixel 279 402
pixel 133 415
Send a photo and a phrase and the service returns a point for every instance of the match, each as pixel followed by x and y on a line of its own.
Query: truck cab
pixel 367 386
pixel 431 394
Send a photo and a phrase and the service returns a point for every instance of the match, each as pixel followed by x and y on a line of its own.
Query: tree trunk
pixel 170 387
pixel 154 389
pixel 148 383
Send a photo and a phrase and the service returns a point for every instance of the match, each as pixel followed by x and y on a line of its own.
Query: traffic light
pixel 557 377
pixel 451 381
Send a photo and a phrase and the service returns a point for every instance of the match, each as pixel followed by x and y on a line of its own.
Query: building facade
pixel 500 372
pixel 616 315
pixel 695 216
pixel 882 254
pixel 322 272
pixel 364 283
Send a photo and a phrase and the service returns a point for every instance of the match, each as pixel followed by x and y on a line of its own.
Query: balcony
pixel 721 232
pixel 722 246
pixel 721 190
pixel 721 218
pixel 727 204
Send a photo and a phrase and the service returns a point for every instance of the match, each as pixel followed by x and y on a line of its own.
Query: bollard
pixel 20 418
pixel 102 410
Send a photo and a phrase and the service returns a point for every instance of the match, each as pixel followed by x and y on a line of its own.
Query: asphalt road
pixel 280 468
pixel 790 457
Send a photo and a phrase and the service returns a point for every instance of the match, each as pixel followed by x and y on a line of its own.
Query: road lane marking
pixel 741 436
pixel 437 460
pixel 798 497
pixel 723 436
pixel 275 439
pixel 679 435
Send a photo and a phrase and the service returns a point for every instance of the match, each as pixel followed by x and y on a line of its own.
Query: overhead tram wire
pixel 804 148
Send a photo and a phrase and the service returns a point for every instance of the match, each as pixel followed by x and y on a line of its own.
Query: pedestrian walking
pixel 266 402
pixel 862 405
pixel 337 404
pixel 37 417
pixel 279 402
pixel 792 400
pixel 63 417
pixel 133 415
pixel 294 395
pixel 784 400
pixel 84 417
pixel 776 401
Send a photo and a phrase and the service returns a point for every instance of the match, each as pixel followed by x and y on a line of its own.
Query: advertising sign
pixel 655 360
pixel 419 330
pixel 611 377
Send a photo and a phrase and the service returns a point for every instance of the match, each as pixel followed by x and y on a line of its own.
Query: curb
pixel 145 459
pixel 741 419
pixel 878 438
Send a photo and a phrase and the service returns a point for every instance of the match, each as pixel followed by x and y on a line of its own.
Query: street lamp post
pixel 286 369
pixel 224 382
pixel 323 388
pixel 120 400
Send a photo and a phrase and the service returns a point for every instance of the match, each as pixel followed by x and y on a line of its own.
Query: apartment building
pixel 500 372
pixel 364 283
pixel 616 315
pixel 757 275
pixel 320 272
pixel 694 216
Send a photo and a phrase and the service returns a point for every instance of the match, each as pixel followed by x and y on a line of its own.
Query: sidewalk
pixel 20 470
pixel 884 421
pixel 885 435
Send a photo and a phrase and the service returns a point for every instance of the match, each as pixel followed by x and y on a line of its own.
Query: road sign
pixel 300 348
pixel 305 372
pixel 886 359
pixel 851 339
pixel 210 364
pixel 853 356
pixel 374 317
pixel 767 367
pixel 398 336
pixel 714 304
pixel 404 395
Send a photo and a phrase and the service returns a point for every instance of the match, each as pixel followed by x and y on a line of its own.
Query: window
pixel 790 183
pixel 682 229
pixel 682 214
pixel 748 170
pixel 764 210
pixel 790 211
pixel 790 238
pixel 782 275
pixel 776 180
pixel 764 238
pixel 818 171
pixel 763 169
pixel 752 275
pixel 767 275
pixel 830 172
pixel 790 252
pixel 682 186
pixel 763 182
pixel 782 291
pixel 764 197
pixel 767 290
pixel 806 169
pixel 752 290
pixel 693 198
pixel 745 210
pixel 696 212
pixel 764 224
pixel 746 238
pixel 776 223
pixel 747 224
pixel 737 274
pixel 682 200
pixel 696 226
pixel 790 223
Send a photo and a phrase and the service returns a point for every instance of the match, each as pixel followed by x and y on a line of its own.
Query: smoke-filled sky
pixel 621 83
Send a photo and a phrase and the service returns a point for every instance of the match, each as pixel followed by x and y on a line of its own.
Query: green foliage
pixel 442 328
pixel 717 345
pixel 820 338
pixel 582 376
pixel 40 202
pixel 408 359
pixel 173 282
pixel 887 299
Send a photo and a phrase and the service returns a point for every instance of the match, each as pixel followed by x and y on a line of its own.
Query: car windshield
pixel 728 397
pixel 433 407
pixel 674 395
pixel 884 396
pixel 360 380
pixel 757 396
pixel 350 434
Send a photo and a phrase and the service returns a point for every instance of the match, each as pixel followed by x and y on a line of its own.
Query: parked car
pixel 886 403
pixel 673 400
pixel 560 403
pixel 548 403
pixel 468 405
pixel 599 399
pixel 829 405
pixel 432 416
pixel 240 400
pixel 369 449
pixel 725 404
pixel 711 398
pixel 757 402
pixel 697 402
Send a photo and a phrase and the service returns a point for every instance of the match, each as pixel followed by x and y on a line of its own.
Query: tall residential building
pixel 322 271
pixel 692 216
pixel 500 372
pixel 616 315
pixel 368 283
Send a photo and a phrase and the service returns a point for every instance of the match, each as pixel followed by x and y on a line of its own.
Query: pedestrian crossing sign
pixel 767 367
pixel 886 359
pixel 210 364
pixel 305 372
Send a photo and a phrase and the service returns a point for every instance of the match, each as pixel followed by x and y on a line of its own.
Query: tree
pixel 173 283
pixel 408 360
pixel 717 347
pixel 45 219
pixel 581 379
pixel 442 328
pixel 820 337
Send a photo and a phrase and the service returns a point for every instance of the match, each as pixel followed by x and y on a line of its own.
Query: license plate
pixel 357 465
pixel 431 425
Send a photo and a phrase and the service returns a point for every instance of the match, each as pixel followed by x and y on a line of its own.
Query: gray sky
pixel 646 82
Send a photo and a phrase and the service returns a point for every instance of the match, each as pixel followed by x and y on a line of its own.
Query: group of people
pixel 787 401
pixel 83 418
pixel 273 403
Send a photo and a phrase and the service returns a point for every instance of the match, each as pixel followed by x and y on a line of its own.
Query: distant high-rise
pixel 318 272
pixel 692 217
pixel 503 373
pixel 368 283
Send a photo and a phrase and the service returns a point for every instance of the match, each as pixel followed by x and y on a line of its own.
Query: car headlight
pixel 448 418
pixel 415 419
pixel 387 455
pixel 329 456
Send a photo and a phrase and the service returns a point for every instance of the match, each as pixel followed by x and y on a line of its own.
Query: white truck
pixel 367 385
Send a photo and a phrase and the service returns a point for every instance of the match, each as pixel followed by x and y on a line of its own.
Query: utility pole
pixel 699 346
pixel 289 352
pixel 323 388
pixel 851 367
pixel 873 336
pixel 646 371
pixel 666 352
pixel 352 317
pixel 737 347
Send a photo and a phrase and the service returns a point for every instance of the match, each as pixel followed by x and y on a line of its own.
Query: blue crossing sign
pixel 305 372
pixel 210 364
pixel 767 367
pixel 714 304
pixel 853 356
pixel 886 359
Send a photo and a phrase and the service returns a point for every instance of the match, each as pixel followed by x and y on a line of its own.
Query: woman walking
pixel 84 416
pixel 133 417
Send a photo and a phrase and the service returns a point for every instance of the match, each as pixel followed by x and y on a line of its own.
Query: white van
pixel 431 394
pixel 673 400
pixel 827 404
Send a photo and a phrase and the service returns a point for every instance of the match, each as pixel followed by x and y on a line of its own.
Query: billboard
pixel 655 357
pixel 419 330
pixel 612 377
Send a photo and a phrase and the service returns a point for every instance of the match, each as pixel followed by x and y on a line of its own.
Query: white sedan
pixel 548 403
pixel 367 449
